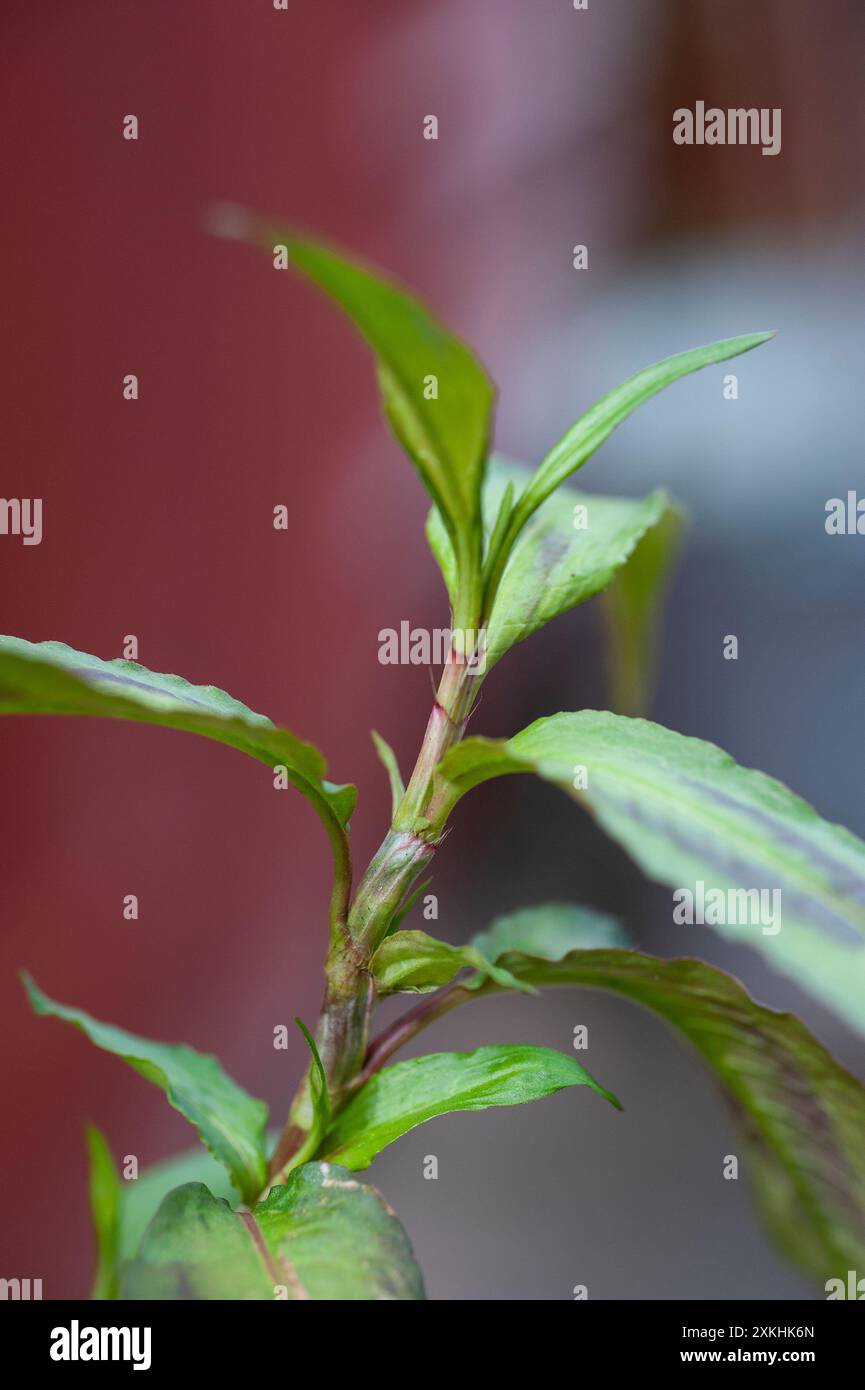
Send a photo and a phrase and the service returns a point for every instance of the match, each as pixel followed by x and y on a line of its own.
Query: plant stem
pixel 400 859
pixel 343 1026
pixel 341 1035
pixel 455 697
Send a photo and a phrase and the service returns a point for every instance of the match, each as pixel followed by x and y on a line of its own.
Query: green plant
pixel 258 1218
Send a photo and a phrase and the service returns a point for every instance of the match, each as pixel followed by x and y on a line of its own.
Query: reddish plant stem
pixel 343 1026
pixel 434 1006
pixel 291 1141
pixel 455 697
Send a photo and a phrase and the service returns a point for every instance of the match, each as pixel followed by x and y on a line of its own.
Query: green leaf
pixel 410 1093
pixel 446 437
pixel 105 1204
pixel 197 1248
pixel 336 1238
pixel 632 608
pixel 140 1197
pixel 555 564
pixel 123 1207
pixel 503 516
pixel 803 1114
pixel 51 678
pixel 318 1090
pixel 228 1121
pixel 389 762
pixel 598 423
pixel 323 1235
pixel 549 931
pixel 689 815
pixel 590 431
pixel 411 960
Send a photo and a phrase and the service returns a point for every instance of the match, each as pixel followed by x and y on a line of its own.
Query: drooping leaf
pixel 817 1234
pixel 437 396
pixel 803 1115
pixel 549 931
pixel 695 820
pixel 570 550
pixel 323 1235
pixel 410 1093
pixel 412 960
pixel 51 678
pixel 598 423
pixel 105 1204
pixel 228 1121
pixel 632 609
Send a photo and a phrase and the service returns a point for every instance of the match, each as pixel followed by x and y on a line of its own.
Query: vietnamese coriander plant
pixel 281 1214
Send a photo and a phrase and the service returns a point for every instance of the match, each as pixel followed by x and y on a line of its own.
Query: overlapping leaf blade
pixel 141 1198
pixel 229 1122
pixel 338 1237
pixel 197 1248
pixel 323 1235
pixel 410 1093
pixel 690 816
pixel 123 1208
pixel 571 549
